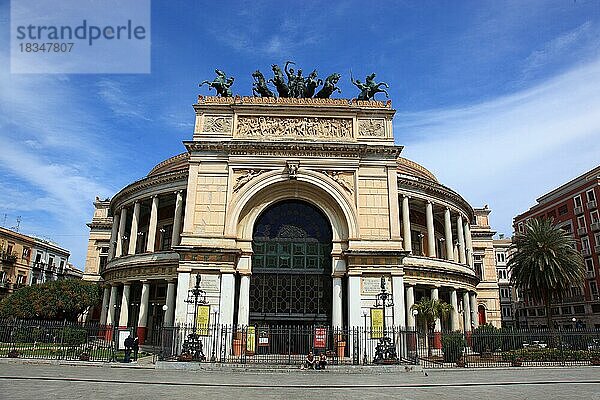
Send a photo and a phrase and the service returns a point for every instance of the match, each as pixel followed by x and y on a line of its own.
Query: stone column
pixel 398 298
pixel 143 316
pixel 104 311
pixel 437 330
pixel 354 302
pixel 406 239
pixel 474 310
pixel 468 243
pixel 448 234
pixel 336 312
pixel 183 285
pixel 110 318
pixel 170 301
pixel 152 225
pixel 430 229
pixel 467 311
pixel 410 301
pixel 133 236
pixel 454 324
pixel 177 221
pixel 122 222
pixel 461 240
pixel 244 302
pixel 226 301
pixel 124 316
pixel 114 233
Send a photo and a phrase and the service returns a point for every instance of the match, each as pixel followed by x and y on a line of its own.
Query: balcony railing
pixel 595 226
pixel 9 258
pixel 597 249
pixel 582 231
pixel 578 210
pixel 586 252
pixel 591 204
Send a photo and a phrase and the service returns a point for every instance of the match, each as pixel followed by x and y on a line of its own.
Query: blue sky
pixel 500 99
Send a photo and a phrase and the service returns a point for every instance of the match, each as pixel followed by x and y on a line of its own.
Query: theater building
pixel 291 211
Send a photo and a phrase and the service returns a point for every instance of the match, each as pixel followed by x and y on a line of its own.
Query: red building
pixel 574 207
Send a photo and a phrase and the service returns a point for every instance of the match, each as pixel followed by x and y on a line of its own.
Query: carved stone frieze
pixel 342 178
pixel 309 128
pixel 371 127
pixel 243 176
pixel 218 123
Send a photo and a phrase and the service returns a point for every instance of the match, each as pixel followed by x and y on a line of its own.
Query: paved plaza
pixel 33 381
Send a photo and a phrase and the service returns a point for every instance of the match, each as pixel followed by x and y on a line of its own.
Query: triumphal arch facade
pixel 291 210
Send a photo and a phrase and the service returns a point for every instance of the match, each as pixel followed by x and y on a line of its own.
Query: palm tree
pixel 428 311
pixel 545 262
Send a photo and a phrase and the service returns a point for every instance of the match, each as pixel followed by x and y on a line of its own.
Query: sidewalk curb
pixel 34 361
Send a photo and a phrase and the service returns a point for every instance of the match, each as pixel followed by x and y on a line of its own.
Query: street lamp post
pixel 193 346
pixel 385 351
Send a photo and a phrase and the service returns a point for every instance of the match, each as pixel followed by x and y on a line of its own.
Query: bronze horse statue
pixel 311 84
pixel 259 88
pixel 221 84
pixel 369 88
pixel 329 86
pixel 279 81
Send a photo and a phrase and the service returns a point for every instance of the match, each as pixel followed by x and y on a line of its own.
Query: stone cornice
pixel 153 181
pixel 296 149
pixel 437 190
pixel 281 101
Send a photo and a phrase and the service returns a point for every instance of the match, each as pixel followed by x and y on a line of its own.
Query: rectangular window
pixel 566 310
pixel 26 252
pixel 591 196
pixel 38 257
pixel 579 309
pixel 501 257
pixel 521 227
pixel 51 262
pixel 577 201
pixel 103 262
pixel 9 249
pixel 478 267
pixel 581 221
pixel 594 216
pixel 585 243
pixel 593 288
pixel 589 265
pixel 562 210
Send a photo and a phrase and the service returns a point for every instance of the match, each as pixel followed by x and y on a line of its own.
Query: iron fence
pixel 57 340
pixel 491 347
pixel 283 344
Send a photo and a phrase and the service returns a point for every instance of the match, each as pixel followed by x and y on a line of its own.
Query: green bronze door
pixel 291 266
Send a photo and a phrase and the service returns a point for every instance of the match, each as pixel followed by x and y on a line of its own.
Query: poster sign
pixel 376 323
pixel 320 337
pixel 251 339
pixel 123 334
pixel 203 320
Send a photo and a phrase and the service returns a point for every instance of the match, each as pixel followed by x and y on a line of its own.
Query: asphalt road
pixel 18 381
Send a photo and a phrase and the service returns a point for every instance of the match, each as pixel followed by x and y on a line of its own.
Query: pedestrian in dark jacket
pixel 136 348
pixel 128 346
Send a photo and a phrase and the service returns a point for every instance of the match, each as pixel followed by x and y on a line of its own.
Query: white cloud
pixel 118 101
pixel 509 151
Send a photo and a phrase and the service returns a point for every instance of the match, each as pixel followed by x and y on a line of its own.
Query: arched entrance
pixel 291 266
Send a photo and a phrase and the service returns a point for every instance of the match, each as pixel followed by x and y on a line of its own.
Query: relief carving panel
pixel 371 127
pixel 296 127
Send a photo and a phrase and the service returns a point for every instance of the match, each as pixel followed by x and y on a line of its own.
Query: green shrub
pixel 549 355
pixel 453 345
pixel 486 338
pixel 74 335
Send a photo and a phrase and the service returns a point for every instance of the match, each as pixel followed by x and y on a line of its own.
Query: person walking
pixel 128 346
pixel 136 348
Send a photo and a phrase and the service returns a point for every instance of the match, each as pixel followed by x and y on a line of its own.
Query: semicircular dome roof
pixel 408 167
pixel 175 163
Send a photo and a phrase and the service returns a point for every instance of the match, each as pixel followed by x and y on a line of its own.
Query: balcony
pixel 595 226
pixel 597 249
pixel 8 258
pixel 582 231
pixel 578 210
pixel 586 252
pixel 591 205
